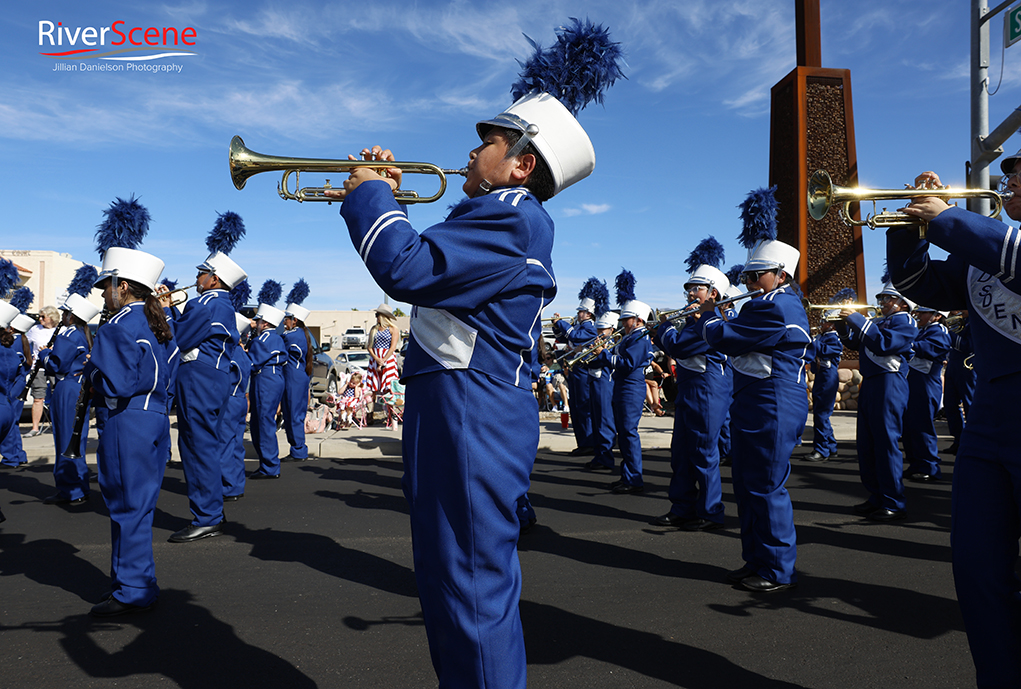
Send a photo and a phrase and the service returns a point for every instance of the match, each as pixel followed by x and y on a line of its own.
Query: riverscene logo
pixel 126 47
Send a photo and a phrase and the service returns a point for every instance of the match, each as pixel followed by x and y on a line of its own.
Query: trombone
pixel 823 193
pixel 245 162
pixel 837 308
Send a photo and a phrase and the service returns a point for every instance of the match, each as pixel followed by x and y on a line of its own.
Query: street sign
pixel 1012 26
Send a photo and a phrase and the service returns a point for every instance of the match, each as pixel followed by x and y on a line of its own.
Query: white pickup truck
pixel 355 338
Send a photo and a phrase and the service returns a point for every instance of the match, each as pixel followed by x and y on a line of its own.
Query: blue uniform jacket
pixel 267 349
pixel 630 357
pixel 240 372
pixel 207 330
pixel 960 347
pixel 297 347
pixel 128 367
pixel 478 281
pixel 67 358
pixel 884 341
pixel 826 351
pixel 10 366
pixel 690 351
pixel 577 335
pixel 929 351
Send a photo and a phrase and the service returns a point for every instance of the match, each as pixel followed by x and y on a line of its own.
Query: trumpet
pixel 955 324
pixel 175 301
pixel 823 193
pixel 244 163
pixel 589 352
pixel 691 309
pixel 837 308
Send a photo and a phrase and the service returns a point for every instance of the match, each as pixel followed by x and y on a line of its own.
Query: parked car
pixel 355 338
pixel 349 362
pixel 325 371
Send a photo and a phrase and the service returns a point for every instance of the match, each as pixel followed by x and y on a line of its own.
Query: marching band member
pixel 579 382
pixel 297 371
pixel 925 391
pixel 628 360
pixel 478 282
pixel 11 448
pixel 767 343
pixel 127 371
pixel 65 362
pixel 980 275
pixel 604 431
pixel 172 313
pixel 827 350
pixel 205 334
pixel 734 277
pixel 703 395
pixel 958 379
pixel 268 354
pixel 11 364
pixel 885 345
pixel 232 466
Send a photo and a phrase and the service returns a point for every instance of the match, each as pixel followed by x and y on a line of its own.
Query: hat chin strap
pixel 530 132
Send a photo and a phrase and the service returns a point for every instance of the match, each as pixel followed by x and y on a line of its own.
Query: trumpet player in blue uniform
pixel 885 346
pixel 128 374
pixel 604 429
pixel 703 396
pixel 827 350
pixel 297 371
pixel 206 335
pixel 11 365
pixel 628 360
pixel 959 378
pixel 767 343
pixel 980 275
pixel 65 362
pixel 579 334
pixel 478 282
pixel 925 392
pixel 269 356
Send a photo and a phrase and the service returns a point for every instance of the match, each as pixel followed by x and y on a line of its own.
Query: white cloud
pixel 587 209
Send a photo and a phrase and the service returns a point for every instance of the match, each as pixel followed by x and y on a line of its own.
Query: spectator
pixel 39 336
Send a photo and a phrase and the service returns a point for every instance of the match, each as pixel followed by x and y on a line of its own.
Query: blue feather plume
pixel 602 299
pixel 169 284
pixel 84 280
pixel 625 286
pixel 576 70
pixel 270 292
pixel 299 292
pixel 226 233
pixel 22 299
pixel 125 225
pixel 886 274
pixel 734 274
pixel 588 290
pixel 8 276
pixel 844 296
pixel 758 216
pixel 240 295
pixel 709 252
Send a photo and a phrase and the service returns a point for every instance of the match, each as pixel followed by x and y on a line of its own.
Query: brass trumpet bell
pixel 245 163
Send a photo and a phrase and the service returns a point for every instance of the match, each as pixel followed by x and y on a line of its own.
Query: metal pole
pixel 979 103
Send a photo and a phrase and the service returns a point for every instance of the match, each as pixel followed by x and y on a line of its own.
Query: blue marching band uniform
pixel 268 354
pixel 11 449
pixel 825 365
pixel 980 275
pixel 925 392
pixel 604 430
pixel 235 416
pixel 296 385
pixel 65 362
pixel 958 382
pixel 580 379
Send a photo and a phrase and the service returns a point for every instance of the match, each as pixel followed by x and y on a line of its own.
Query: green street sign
pixel 1012 26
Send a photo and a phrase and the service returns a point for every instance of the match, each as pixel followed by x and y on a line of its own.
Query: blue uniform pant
pixel 579 387
pixel 469 445
pixel 924 394
pixel 132 458
pixel 984 532
pixel 765 418
pixel 882 401
pixel 824 396
pixel 10 442
pixel 295 408
pixel 232 468
pixel 604 432
pixel 202 393
pixel 699 411
pixel 266 391
pixel 628 400
pixel 71 476
pixel 958 392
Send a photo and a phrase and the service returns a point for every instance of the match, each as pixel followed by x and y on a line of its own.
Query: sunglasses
pixel 753 276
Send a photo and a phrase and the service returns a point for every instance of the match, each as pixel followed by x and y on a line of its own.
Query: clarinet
pixel 37 366
pixel 81 415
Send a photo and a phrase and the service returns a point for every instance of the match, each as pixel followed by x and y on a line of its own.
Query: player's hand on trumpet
pixel 366 174
pixel 926 207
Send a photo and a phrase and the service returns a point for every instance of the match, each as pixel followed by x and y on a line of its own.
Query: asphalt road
pixel 312 584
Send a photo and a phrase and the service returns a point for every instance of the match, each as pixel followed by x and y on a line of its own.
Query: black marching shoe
pixel 920 477
pixel 61 499
pixel 699 524
pixel 865 508
pixel 112 607
pixel 816 457
pixel 233 498
pixel 738 575
pixel 596 466
pixel 885 515
pixel 757 584
pixel 258 476
pixel 670 519
pixel 583 452
pixel 290 458
pixel 194 533
pixel 626 488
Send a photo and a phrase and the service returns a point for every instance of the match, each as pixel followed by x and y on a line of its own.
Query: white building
pixel 47 274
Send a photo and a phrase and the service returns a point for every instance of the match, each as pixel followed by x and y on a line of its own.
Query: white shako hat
pixel 733 291
pixel 558 137
pixel 710 277
pixel 607 320
pixel 1007 164
pixel 7 313
pixel 244 324
pixel 81 307
pixel 21 323
pixel 636 309
pixel 270 314
pixel 890 290
pixel 222 266
pixel 299 312
pixel 131 264
pixel 772 254
pixel 587 304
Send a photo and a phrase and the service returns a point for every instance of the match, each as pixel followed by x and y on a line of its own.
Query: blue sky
pixel 679 144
